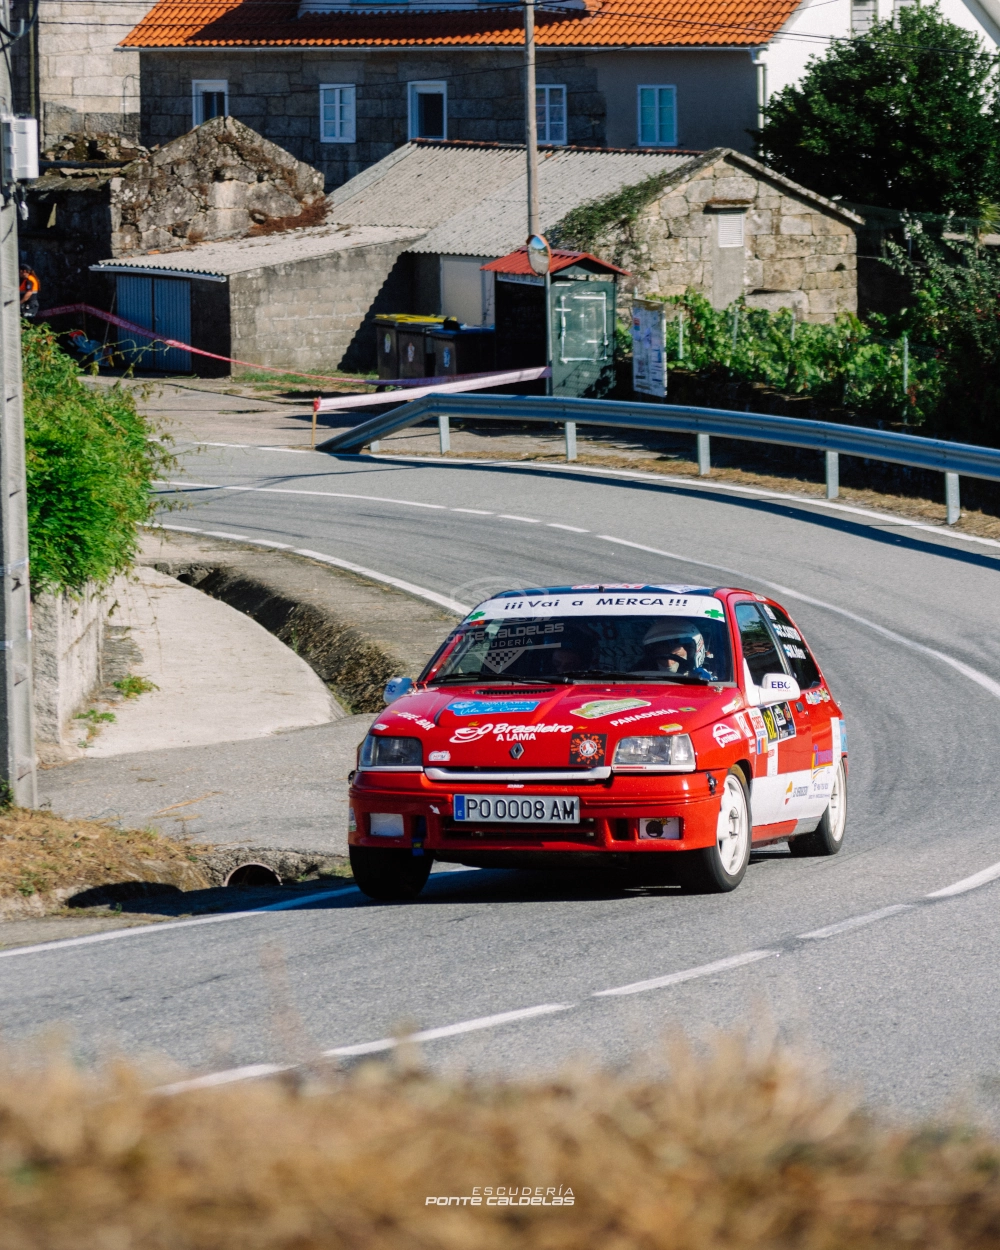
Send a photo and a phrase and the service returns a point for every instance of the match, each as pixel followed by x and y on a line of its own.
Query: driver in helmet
pixel 676 647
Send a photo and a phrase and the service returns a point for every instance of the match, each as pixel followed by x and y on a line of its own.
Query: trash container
pixel 459 349
pixel 401 344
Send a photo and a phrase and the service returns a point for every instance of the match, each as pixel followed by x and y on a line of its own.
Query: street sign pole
pixel 17 730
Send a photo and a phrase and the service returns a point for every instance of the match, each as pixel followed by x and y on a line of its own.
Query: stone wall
pixel 797 253
pixel 219 181
pixel 276 92
pixel 69 71
pixel 318 313
pixel 68 634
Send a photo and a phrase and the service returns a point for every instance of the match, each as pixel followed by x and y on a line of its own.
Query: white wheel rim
pixel 837 811
pixel 733 831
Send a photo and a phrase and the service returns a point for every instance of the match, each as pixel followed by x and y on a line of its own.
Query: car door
pixel 816 707
pixel 783 730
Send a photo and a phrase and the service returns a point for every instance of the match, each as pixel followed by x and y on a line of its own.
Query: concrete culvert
pixel 252 874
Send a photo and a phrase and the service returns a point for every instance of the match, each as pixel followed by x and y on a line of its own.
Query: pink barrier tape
pixel 146 333
pixel 472 382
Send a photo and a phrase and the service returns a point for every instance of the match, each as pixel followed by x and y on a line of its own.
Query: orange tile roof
pixel 603 23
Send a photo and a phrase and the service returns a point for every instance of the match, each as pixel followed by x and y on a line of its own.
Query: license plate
pixel 538 809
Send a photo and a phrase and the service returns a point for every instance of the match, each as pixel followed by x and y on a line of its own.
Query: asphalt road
pixel 905 1004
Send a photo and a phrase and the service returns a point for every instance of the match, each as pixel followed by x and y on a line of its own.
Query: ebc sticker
pixel 490 707
pixel 607 707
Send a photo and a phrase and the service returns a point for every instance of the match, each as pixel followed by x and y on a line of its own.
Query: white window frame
pixel 864 13
pixel 349 125
pixel 661 141
pixel 419 88
pixel 542 109
pixel 199 85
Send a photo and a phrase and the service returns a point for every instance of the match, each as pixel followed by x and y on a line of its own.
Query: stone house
pixel 220 181
pixel 729 227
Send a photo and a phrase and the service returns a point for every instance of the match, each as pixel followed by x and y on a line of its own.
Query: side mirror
pixel 778 688
pixel 396 687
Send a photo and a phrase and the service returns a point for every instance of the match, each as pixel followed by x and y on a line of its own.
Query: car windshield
pixel 682 649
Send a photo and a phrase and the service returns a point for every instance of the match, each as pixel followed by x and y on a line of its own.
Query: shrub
pixel 90 459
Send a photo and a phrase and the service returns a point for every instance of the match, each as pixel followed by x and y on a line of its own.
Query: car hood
pixel 564 726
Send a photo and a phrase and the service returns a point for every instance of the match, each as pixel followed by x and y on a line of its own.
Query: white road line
pixel 702 484
pixel 142 930
pixel 322 494
pixel 858 922
pixel 973 674
pixel 968 883
pixel 510 516
pixel 252 1071
pixel 453 605
pixel 451 1030
pixel 574 529
pixel 689 974
pixel 291 451
pixel 473 511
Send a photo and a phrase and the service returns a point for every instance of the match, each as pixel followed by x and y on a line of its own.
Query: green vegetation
pixel 615 214
pixel 905 116
pixel 132 686
pixel 91 459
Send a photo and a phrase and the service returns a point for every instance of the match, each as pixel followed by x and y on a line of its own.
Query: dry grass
pixel 743 1149
pixel 45 859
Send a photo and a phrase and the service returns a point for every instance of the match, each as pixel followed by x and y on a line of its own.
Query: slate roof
pixel 230 256
pixel 471 197
pixel 595 23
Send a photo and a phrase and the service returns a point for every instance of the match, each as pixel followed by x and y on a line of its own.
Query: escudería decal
pixel 724 734
pixel 490 707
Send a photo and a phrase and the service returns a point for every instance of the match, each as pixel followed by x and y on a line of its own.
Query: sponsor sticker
pixel 490 707
pixel 417 720
pixel 822 695
pixel 643 601
pixel 795 792
pixel 724 734
pixel 734 703
pixel 656 711
pixel 821 759
pixel 587 748
pixel 665 829
pixel 607 707
pixel 502 731
pixel 380 726
pixel 672 728
pixel 439 757
pixel 741 719
pixel 778 722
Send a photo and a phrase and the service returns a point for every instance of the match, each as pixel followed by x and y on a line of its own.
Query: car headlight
pixel 673 752
pixel 391 752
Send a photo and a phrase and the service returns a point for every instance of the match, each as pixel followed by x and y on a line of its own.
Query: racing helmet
pixel 680 633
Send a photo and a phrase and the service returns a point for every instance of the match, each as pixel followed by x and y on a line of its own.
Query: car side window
pixel 759 651
pixel 803 666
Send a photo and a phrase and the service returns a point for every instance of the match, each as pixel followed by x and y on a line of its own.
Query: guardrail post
pixel 444 433
pixel 704 455
pixel 952 502
pixel 832 474
pixel 373 446
pixel 570 440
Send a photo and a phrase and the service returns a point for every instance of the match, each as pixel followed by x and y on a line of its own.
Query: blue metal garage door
pixel 164 306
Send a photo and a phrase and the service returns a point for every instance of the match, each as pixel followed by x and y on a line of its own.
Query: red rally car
pixel 658 728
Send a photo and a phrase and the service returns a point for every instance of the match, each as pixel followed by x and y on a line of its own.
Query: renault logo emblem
pixel 516 751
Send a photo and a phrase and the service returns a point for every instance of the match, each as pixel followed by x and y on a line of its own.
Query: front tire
pixel 828 837
pixel 720 868
pixel 388 874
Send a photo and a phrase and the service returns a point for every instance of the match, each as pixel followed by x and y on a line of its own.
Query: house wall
pixel 318 313
pixel 276 92
pixel 69 72
pixel 716 95
pixel 795 254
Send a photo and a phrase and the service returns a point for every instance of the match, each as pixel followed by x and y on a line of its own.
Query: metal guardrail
pixel 951 459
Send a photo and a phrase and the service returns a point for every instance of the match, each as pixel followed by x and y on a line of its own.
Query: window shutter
pixel 665 117
pixel 647 116
pixel 731 229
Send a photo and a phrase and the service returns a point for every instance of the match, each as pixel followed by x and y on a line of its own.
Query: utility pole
pixel 17 721
pixel 531 116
